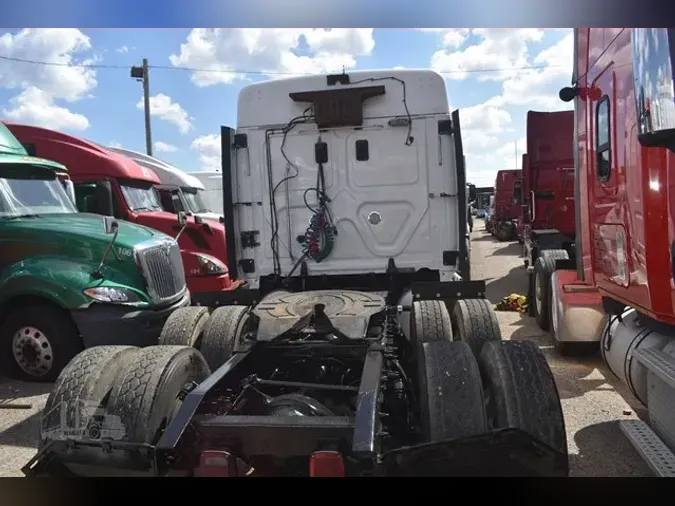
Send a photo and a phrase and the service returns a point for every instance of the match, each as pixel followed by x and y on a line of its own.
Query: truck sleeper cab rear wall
pixel 392 181
pixel 507 202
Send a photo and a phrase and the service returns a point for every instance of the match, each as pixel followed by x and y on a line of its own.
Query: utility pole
pixel 141 74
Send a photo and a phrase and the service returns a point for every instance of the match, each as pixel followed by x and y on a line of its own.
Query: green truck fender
pixel 59 280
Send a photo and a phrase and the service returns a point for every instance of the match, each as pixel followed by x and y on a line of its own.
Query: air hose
pixel 319 238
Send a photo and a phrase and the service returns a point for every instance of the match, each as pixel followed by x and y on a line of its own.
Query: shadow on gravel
pixel 26 433
pixel 512 249
pixel 604 451
pixel 17 400
pixel 486 237
pixel 514 282
pixel 14 390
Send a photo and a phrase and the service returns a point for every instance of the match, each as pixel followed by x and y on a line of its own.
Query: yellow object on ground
pixel 513 302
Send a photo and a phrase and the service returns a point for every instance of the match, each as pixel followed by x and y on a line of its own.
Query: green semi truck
pixel 71 280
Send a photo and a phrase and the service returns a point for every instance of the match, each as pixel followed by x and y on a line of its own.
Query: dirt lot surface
pixel 593 400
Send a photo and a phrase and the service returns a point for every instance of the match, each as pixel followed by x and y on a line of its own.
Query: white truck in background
pixel 178 191
pixel 212 196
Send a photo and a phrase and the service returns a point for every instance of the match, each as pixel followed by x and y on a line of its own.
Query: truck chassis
pixel 322 383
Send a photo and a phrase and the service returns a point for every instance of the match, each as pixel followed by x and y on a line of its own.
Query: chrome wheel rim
pixel 32 351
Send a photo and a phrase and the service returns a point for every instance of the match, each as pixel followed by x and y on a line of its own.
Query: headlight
pixel 210 265
pixel 112 294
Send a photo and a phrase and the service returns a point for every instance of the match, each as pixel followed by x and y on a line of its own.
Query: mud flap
pixel 506 452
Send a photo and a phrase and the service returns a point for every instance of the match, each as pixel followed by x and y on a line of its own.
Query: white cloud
pixel 539 88
pixel 208 149
pixel 270 51
pixel 36 107
pixel 166 109
pixel 163 147
pixel 496 49
pixel 484 129
pixel 122 49
pixel 490 129
pixel 115 144
pixel 484 124
pixel 481 168
pixel 62 46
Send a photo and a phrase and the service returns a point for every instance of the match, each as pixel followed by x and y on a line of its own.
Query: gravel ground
pixel 593 400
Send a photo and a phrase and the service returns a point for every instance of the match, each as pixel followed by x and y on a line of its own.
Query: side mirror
pixel 30 149
pixel 110 225
pixel 568 93
pixel 70 190
pixel 653 65
pixel 104 198
pixel 182 217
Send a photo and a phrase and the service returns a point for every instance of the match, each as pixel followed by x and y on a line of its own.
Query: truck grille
pixel 162 268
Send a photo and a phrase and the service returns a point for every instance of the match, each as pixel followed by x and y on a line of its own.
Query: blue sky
pixel 493 76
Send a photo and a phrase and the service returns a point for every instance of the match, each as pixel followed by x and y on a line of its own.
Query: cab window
pixel 603 145
pixel 517 192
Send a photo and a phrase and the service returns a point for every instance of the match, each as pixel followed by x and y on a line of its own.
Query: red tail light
pixel 326 464
pixel 214 464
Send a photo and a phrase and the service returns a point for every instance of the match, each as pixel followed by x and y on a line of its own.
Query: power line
pixel 61 64
pixel 249 72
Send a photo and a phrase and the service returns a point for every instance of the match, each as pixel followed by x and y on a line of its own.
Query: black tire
pixel 503 232
pixel 475 323
pixel 85 384
pixel 222 334
pixel 145 394
pixel 521 392
pixel 46 340
pixel 184 326
pixel 547 268
pixel 530 292
pixel 450 392
pixel 430 321
pixel 541 298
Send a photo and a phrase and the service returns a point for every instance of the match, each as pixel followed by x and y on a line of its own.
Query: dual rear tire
pixel 471 382
pixel 126 393
pixel 217 335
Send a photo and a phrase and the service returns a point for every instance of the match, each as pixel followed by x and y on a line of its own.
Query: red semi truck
pixel 111 184
pixel 548 197
pixel 620 292
pixel 508 195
